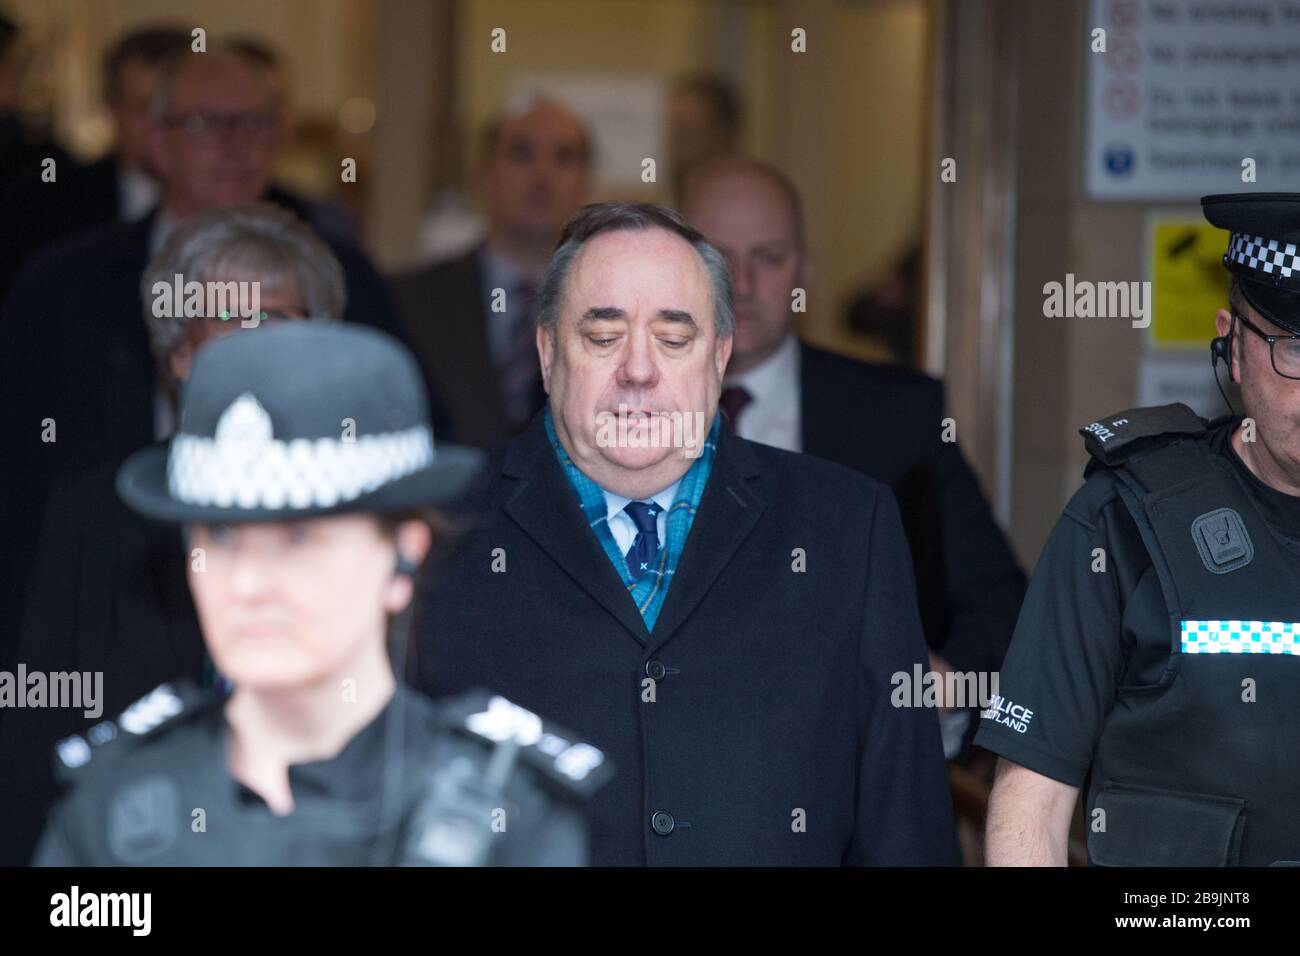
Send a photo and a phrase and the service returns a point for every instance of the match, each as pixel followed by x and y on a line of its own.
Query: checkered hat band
pixel 296 474
pixel 1268 257
pixel 1241 637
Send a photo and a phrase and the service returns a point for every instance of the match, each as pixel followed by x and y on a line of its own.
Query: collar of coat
pixel 544 507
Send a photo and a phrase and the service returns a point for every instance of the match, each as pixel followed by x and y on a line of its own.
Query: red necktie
pixel 733 400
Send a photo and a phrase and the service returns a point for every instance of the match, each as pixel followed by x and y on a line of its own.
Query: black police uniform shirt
pixel 163 796
pixel 1083 635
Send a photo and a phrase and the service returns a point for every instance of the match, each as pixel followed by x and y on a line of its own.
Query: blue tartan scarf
pixel 650 591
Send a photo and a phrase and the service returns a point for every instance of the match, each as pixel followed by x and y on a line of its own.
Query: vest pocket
pixel 1145 826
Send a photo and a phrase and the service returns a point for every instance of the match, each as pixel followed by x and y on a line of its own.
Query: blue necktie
pixel 644 553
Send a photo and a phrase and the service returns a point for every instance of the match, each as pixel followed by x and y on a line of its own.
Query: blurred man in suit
pixel 123 186
pixel 883 421
pixel 722 618
pixel 471 319
pixel 76 373
pixel 120 187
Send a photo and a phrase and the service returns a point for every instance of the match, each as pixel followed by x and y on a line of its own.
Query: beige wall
pixel 846 118
pixel 859 153
pixel 1025 60
pixel 1068 372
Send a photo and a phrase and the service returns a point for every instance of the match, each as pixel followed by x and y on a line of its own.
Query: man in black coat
pixel 724 619
pixel 76 372
pixel 886 422
pixel 470 319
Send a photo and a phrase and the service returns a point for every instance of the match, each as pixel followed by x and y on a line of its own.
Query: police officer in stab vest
pixel 1156 662
pixel 303 459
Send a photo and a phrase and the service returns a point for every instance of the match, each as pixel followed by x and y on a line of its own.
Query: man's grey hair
pixel 253 242
pixel 601 217
pixel 160 100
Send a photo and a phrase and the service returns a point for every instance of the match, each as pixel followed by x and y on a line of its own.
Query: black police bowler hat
pixel 1263 250
pixel 298 420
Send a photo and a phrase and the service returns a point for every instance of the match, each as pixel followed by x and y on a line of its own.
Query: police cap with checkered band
pixel 294 421
pixel 1263 250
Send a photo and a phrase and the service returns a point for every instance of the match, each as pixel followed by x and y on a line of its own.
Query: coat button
pixel 655 670
pixel 662 823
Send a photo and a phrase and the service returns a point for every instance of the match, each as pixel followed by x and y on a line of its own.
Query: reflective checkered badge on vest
pixel 1241 637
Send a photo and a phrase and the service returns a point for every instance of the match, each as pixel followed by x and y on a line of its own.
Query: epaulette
pixel 572 766
pixel 1116 438
pixel 163 706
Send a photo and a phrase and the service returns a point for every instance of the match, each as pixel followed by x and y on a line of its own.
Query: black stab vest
pixel 1190 771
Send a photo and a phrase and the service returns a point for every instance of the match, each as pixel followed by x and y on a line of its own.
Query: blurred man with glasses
pixel 120 186
pixel 1157 656
pixel 77 378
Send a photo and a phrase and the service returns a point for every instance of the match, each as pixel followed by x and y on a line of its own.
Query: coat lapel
pixel 809 402
pixel 547 510
pixel 730 508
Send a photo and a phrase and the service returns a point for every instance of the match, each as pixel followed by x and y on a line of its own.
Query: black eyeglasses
pixel 212 125
pixel 1283 349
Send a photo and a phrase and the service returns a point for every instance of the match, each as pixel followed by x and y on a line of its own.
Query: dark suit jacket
pixel 36 213
pixel 445 319
pixel 108 594
pixel 74 348
pixel 775 704
pixel 86 196
pixel 885 422
pixel 24 149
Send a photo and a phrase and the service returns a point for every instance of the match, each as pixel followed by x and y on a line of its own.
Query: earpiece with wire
pixel 384 852
pixel 1221 351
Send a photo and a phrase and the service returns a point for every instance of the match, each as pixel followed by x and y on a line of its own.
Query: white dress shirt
pixel 774 417
pixel 620 523
pixel 163 226
pixel 137 193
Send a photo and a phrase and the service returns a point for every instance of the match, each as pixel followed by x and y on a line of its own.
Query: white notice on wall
pixel 1188 378
pixel 625 114
pixel 1192 97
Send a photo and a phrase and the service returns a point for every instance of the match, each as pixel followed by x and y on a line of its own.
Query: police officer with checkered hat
pixel 304 471
pixel 1156 661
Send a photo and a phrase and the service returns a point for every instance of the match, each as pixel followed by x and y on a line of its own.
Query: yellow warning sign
pixel 1188 281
